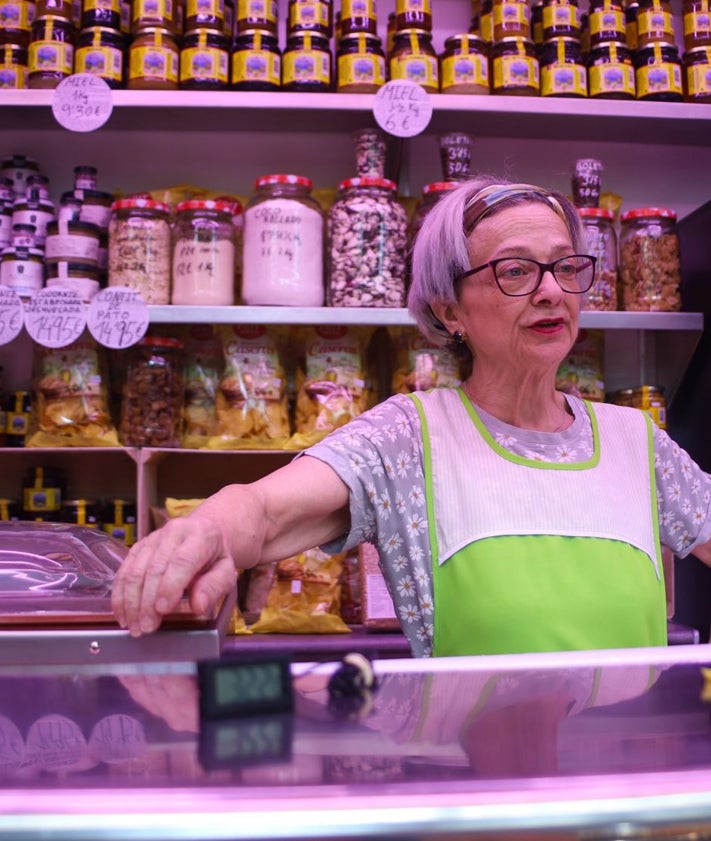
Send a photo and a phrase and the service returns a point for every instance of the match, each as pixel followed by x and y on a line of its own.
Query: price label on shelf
pixel 55 317
pixel 118 317
pixel 82 102
pixel 402 108
pixel 12 315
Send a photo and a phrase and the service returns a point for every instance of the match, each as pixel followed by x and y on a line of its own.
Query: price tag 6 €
pixel 82 102
pixel 11 315
pixel 402 108
pixel 55 317
pixel 118 317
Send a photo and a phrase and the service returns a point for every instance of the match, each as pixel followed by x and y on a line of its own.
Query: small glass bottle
pixel 256 62
pixel 306 65
pixel 140 248
pixel 650 270
pixel 601 242
pixel 367 245
pixel 152 395
pixel 414 59
pixel 283 244
pixel 18 410
pixel 203 254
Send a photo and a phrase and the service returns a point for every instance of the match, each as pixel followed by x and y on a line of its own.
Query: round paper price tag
pixel 402 108
pixel 12 315
pixel 55 317
pixel 82 102
pixel 118 317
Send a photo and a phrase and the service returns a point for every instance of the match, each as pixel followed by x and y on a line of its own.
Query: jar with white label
pixel 140 248
pixel 72 241
pixel 22 269
pixel 18 169
pixel 283 244
pixel 203 254
pixel 81 278
pixel 32 209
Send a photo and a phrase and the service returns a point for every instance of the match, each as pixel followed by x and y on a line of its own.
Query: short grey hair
pixel 441 249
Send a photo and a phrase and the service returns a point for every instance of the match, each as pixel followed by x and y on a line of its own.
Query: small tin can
pixel 413 58
pixel 256 62
pixel 306 64
pixel 464 65
pixel 205 60
pixel 360 64
pixel 697 74
pixel 100 51
pixel 562 70
pixel 515 68
pixel 80 512
pixel 658 74
pixel 611 71
pixel 119 520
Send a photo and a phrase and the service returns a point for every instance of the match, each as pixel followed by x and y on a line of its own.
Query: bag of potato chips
pixel 419 364
pixel 202 378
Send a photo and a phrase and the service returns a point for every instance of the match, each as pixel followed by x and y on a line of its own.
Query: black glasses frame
pixel 542 269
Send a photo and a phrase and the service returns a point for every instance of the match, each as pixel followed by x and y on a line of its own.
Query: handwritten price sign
pixel 118 317
pixel 55 317
pixel 82 102
pixel 402 108
pixel 12 316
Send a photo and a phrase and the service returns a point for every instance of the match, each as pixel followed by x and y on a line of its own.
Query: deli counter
pixel 598 744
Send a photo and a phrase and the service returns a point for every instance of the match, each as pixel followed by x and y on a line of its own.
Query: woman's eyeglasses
pixel 517 276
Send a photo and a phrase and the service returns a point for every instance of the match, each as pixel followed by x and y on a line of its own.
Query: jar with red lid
pixel 203 254
pixel 367 245
pixel 152 394
pixel 140 248
pixel 601 242
pixel 283 244
pixel 650 269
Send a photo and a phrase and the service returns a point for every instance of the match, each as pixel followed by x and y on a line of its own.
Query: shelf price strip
pixel 118 317
pixel 55 317
pixel 11 315
pixel 402 108
pixel 82 102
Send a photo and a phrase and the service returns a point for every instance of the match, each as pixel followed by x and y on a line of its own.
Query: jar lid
pixel 19 162
pixel 95 195
pixel 250 33
pixel 161 341
pixel 595 213
pixel 439 187
pixel 235 204
pixel 208 33
pixel 647 212
pixel 81 268
pixel 471 37
pixel 301 180
pixel 367 181
pixel 140 202
pixel 418 33
pixel 73 228
pixel 205 204
pixel 77 503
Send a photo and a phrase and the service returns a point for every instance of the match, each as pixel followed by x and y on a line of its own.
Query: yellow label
pixel 508 13
pixel 516 71
pixel 559 79
pixel 257 10
pixel 42 499
pixel 606 20
pixel 698 79
pixel 654 20
pixel 153 9
pixel 204 63
pixel 421 69
pixel 486 26
pixel 50 57
pixel 361 69
pixel 358 8
pixel 13 76
pixel 110 5
pixel 658 78
pixel 211 8
pixel 614 77
pixel 307 66
pixel 309 14
pixel 697 23
pixel 404 6
pixel 106 62
pixel 469 69
pixel 15 15
pixel 154 63
pixel 555 16
pixel 256 66
pixel 125 532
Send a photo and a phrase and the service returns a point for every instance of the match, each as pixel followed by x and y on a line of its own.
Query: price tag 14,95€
pixel 12 315
pixel 55 317
pixel 118 317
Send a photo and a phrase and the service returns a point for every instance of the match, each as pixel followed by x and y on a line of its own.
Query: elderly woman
pixel 509 516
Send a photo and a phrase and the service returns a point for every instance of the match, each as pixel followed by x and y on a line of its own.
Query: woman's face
pixel 530 333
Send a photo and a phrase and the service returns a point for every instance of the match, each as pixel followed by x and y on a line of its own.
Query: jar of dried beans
pixel 140 248
pixel 649 260
pixel 367 245
pixel 152 396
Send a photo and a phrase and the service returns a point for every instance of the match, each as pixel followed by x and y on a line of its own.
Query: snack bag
pixel 330 383
pixel 420 365
pixel 71 407
pixel 202 379
pixel 581 372
pixel 305 596
pixel 251 403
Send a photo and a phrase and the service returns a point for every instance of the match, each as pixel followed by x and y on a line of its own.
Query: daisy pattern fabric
pixel 379 456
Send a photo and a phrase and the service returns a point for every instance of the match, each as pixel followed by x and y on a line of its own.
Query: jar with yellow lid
pixel 51 52
pixel 205 60
pixel 256 62
pixel 100 51
pixel 563 72
pixel 414 59
pixel 650 267
pixel 511 19
pixel 611 71
pixel 154 60
pixel 515 68
pixel 360 64
pixel 696 19
pixel 464 65
pixel 697 74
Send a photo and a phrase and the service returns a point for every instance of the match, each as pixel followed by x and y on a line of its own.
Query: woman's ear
pixel 446 312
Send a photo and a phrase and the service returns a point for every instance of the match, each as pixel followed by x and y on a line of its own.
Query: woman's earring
pixel 458 337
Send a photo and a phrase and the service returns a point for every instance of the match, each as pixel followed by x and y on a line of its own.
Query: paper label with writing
pixel 402 108
pixel 11 315
pixel 118 317
pixel 82 102
pixel 55 317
